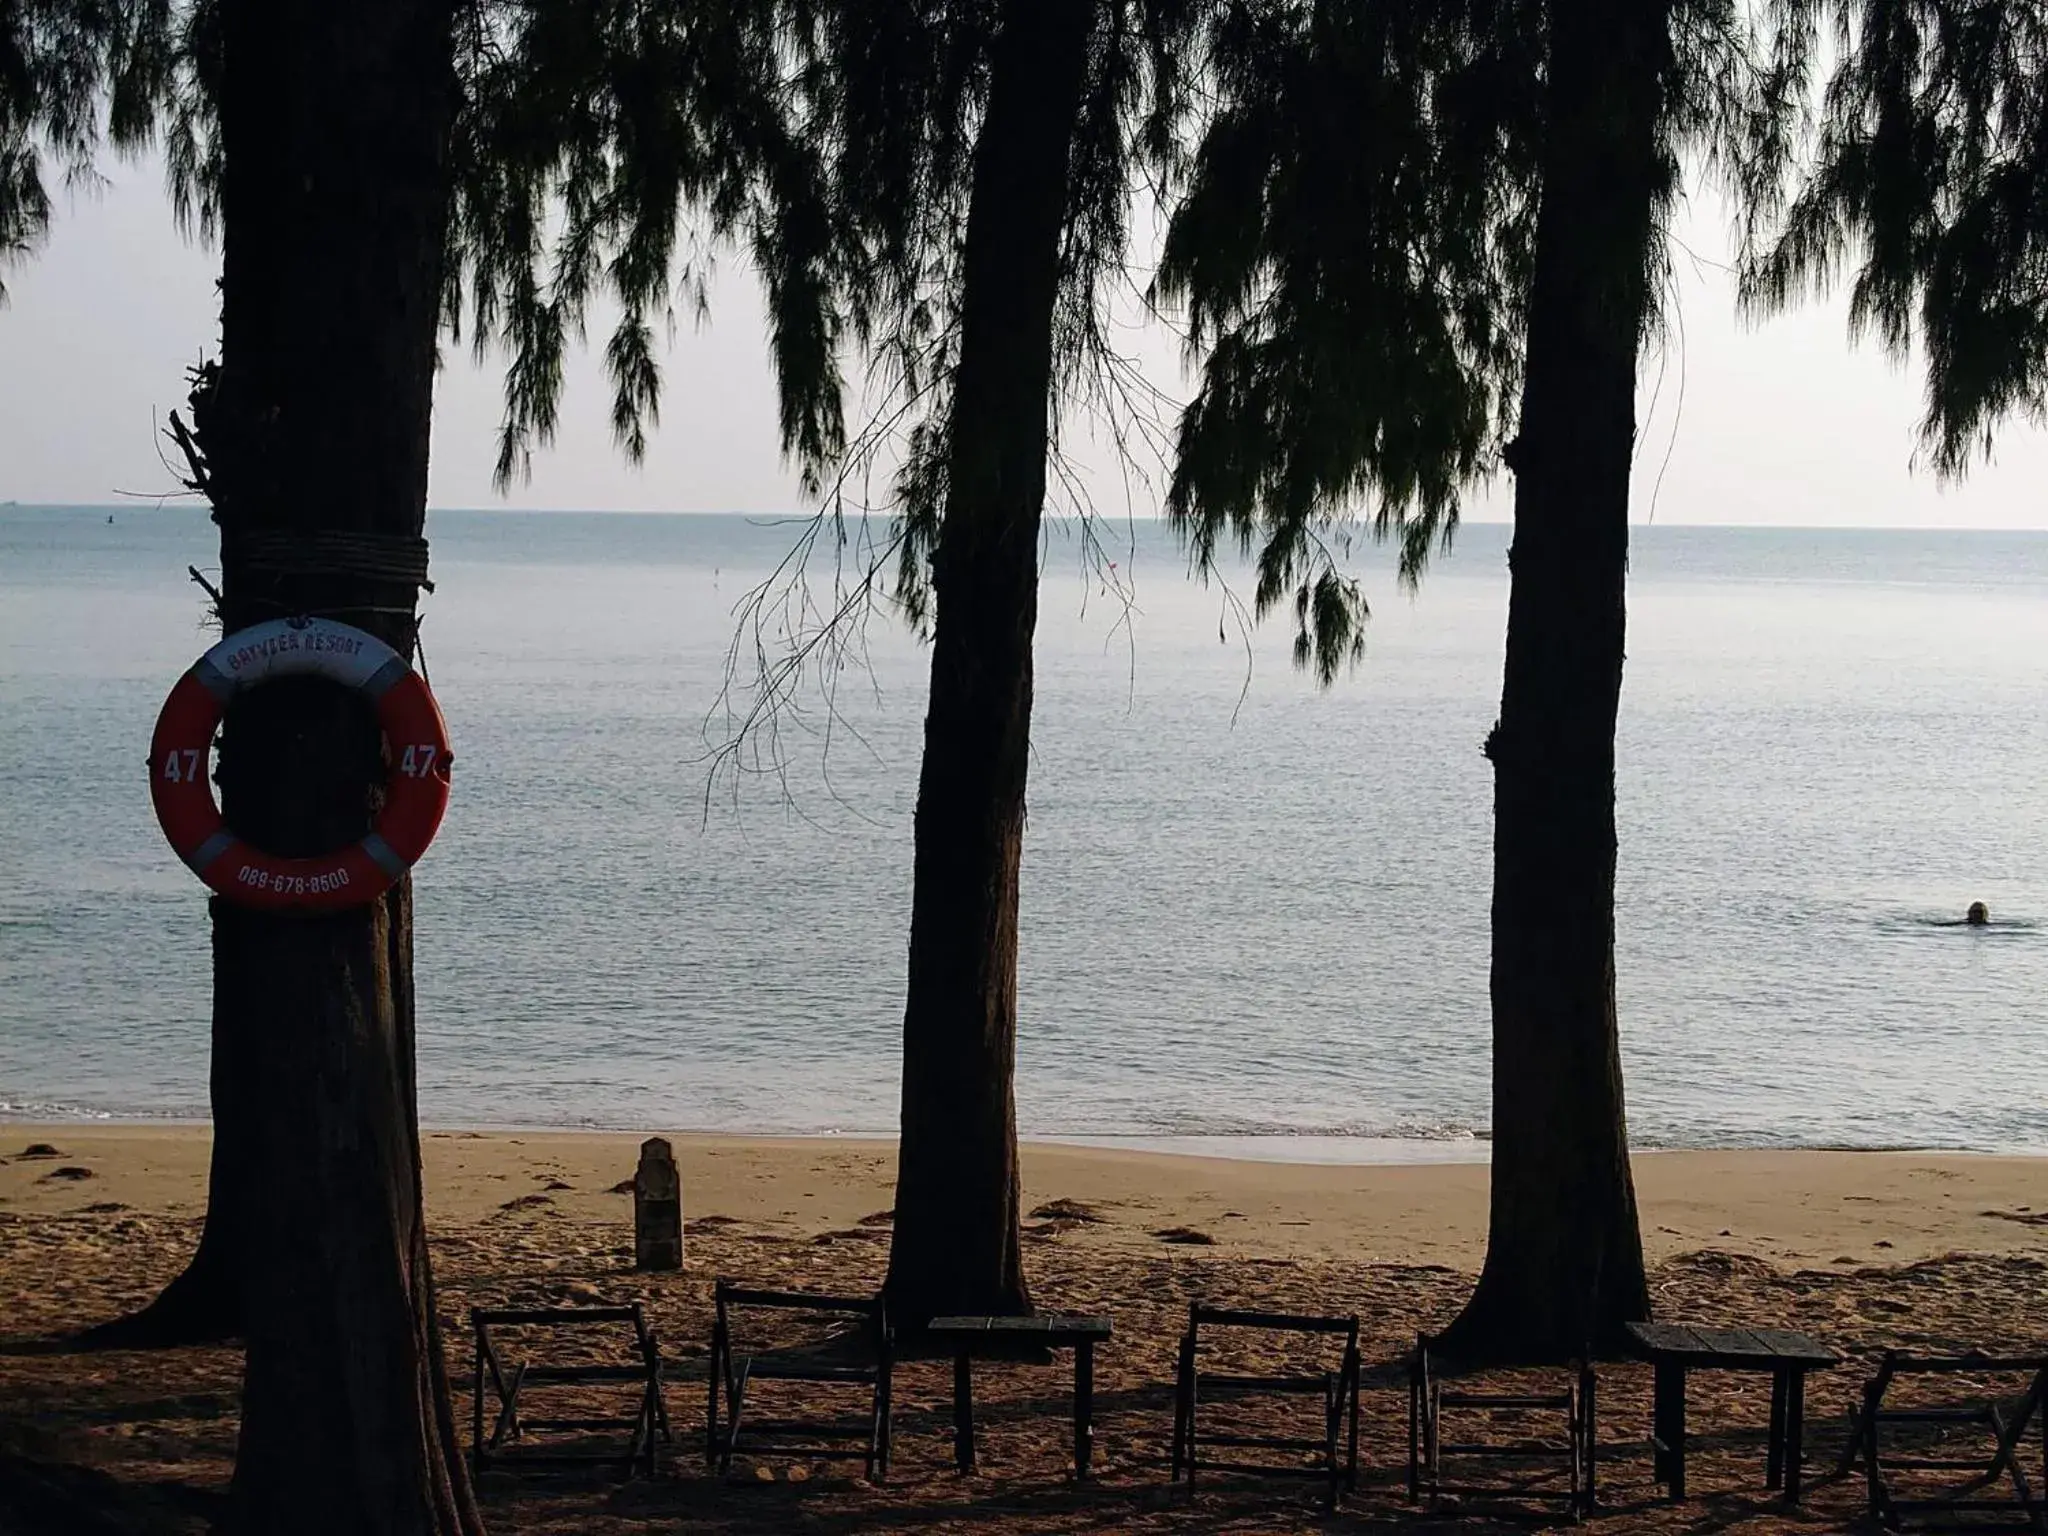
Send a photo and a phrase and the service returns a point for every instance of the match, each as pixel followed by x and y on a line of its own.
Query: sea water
pixel 1254 911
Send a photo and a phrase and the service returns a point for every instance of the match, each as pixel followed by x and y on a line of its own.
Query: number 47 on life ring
pixel 181 765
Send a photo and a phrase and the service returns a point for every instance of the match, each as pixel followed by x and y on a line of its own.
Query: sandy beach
pixel 1788 1208
pixel 1861 1249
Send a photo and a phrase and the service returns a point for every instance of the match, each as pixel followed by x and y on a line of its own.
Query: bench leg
pixel 1414 1433
pixel 1660 1427
pixel 735 1405
pixel 715 1375
pixel 1774 1455
pixel 963 1413
pixel 1084 1406
pixel 1351 1442
pixel 507 1426
pixel 476 1430
pixel 1589 1398
pixel 1668 1418
pixel 1333 1428
pixel 1433 1435
pixel 1181 1376
pixel 1678 1434
pixel 885 1409
pixel 1795 1434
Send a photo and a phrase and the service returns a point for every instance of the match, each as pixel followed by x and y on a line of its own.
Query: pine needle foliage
pixel 75 75
pixel 607 149
pixel 1350 251
pixel 898 88
pixel 1922 175
pixel 604 151
pixel 1352 248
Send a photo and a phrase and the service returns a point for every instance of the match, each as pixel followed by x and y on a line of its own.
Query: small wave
pixel 1141 1129
pixel 1290 1148
pixel 1239 1128
pixel 46 1109
pixel 39 1109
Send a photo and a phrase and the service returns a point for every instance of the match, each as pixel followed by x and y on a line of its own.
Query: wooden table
pixel 1675 1349
pixel 1011 1338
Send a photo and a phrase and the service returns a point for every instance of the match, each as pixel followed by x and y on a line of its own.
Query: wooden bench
pixel 968 1339
pixel 1674 1349
pixel 648 1421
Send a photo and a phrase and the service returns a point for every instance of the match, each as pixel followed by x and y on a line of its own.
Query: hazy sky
pixel 1780 425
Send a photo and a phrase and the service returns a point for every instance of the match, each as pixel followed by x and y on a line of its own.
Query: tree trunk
pixel 335 124
pixel 956 1246
pixel 1564 1260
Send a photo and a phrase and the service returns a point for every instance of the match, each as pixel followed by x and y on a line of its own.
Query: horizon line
pixel 795 515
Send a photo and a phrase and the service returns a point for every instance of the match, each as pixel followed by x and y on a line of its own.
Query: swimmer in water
pixel 1979 915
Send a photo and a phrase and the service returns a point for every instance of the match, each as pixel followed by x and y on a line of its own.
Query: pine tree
pixel 627 122
pixel 956 1239
pixel 939 192
pixel 983 157
pixel 1419 240
pixel 1564 1256
pixel 333 194
pixel 369 168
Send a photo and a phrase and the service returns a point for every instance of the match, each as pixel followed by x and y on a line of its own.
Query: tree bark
pixel 335 126
pixel 1564 1261
pixel 956 1246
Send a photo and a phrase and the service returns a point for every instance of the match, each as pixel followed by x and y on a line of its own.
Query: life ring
pixel 416 748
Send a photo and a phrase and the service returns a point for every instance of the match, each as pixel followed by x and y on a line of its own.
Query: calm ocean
pixel 1251 909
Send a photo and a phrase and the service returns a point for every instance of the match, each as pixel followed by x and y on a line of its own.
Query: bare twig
pixel 196 479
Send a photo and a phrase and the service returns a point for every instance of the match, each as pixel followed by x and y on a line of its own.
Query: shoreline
pixel 1305 1149
pixel 1790 1209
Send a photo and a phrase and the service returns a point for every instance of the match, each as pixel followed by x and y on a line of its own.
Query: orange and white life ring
pixel 415 745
